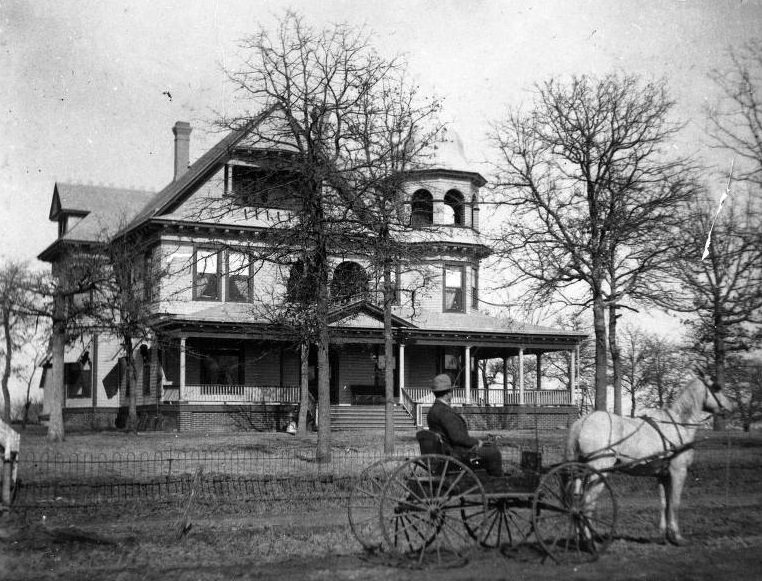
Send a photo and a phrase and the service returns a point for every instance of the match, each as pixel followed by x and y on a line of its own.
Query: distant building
pixel 216 361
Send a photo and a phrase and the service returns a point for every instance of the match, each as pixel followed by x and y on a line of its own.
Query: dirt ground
pixel 140 543
pixel 228 541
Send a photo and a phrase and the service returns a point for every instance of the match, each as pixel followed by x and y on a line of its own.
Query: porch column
pixel 572 369
pixel 467 382
pixel 539 369
pixel 182 367
pixel 505 381
pixel 402 367
pixel 521 376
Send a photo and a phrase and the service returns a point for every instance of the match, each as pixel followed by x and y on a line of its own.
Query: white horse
pixel 658 444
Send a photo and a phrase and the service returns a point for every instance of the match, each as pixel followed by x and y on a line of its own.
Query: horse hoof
pixel 677 540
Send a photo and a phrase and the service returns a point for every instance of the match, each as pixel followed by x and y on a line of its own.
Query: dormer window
pixel 63 221
pixel 422 209
pixel 454 208
pixel 260 187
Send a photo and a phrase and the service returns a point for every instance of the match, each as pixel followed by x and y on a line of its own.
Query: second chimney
pixel 182 131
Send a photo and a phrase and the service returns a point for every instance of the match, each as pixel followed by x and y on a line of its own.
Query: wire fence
pixel 265 476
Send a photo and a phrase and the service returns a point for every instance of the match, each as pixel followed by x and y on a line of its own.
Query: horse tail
pixel 573 452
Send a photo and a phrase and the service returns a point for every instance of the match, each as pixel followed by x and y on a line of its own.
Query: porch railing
pixel 494 397
pixel 241 393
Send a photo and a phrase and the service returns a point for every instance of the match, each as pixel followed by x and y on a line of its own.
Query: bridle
pixel 720 407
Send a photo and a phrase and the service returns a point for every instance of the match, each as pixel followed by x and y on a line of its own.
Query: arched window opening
pixel 454 208
pixel 422 209
pixel 349 283
pixel 298 287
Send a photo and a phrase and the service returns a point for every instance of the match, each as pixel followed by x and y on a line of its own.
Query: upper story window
pixel 239 277
pixel 206 275
pixel 454 288
pixel 216 271
pixel 148 278
pixel 350 282
pixel 256 186
pixel 422 209
pixel 474 288
pixel 454 208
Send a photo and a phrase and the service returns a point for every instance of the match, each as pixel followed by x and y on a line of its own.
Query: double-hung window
pixel 238 278
pixel 206 275
pixel 454 288
pixel 474 288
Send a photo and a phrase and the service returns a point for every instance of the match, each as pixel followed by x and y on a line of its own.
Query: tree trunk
pixel 616 360
pixel 388 359
pixel 56 383
pixel 27 402
pixel 633 375
pixel 324 394
pixel 131 386
pixel 304 389
pixel 599 324
pixel 7 369
pixel 720 351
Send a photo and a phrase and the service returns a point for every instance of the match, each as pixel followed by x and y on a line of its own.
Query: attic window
pixel 255 186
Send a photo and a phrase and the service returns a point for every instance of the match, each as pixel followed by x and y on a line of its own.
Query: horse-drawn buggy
pixel 436 508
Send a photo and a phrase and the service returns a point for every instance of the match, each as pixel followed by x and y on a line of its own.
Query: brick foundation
pixel 89 418
pixel 233 418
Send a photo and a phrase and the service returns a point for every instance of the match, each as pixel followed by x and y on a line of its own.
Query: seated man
pixel 452 427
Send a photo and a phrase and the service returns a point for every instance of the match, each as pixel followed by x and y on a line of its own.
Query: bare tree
pixel 592 193
pixel 665 368
pixel 736 121
pixel 19 308
pixel 744 386
pixel 723 293
pixel 343 119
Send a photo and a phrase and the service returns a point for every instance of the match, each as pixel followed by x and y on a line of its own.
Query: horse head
pixel 715 400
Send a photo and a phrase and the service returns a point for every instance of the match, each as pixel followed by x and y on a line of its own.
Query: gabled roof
pixel 362 311
pixel 173 194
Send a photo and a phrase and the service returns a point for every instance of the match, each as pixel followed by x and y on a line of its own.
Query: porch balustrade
pixel 240 393
pixel 496 397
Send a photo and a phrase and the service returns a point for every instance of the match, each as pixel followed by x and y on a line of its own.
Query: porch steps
pixel 368 417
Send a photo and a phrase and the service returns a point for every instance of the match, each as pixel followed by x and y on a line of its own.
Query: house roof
pixel 168 198
pixel 102 210
pixel 365 320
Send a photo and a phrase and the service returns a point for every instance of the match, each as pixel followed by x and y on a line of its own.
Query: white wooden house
pixel 216 361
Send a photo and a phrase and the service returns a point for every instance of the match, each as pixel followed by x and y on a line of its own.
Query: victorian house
pixel 216 360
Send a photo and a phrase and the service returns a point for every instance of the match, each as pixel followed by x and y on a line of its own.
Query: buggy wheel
pixel 423 506
pixel 574 513
pixel 365 501
pixel 504 524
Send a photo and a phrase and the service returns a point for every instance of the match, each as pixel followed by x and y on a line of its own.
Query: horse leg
pixel 676 481
pixel 663 490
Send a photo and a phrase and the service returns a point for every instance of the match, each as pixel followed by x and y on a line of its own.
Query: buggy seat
pixel 431 442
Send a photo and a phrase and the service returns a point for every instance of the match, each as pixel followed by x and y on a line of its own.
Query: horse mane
pixel 688 402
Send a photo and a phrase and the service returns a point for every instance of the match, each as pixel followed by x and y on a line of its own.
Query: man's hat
pixel 442 383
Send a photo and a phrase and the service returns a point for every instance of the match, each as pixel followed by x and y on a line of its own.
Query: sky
pixel 85 83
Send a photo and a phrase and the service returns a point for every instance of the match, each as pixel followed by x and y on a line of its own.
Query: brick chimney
pixel 182 131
